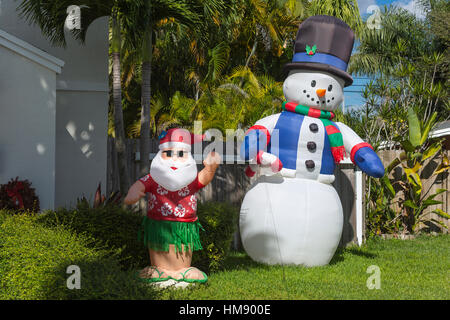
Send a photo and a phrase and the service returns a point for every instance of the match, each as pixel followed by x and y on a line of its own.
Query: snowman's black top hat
pixel 323 43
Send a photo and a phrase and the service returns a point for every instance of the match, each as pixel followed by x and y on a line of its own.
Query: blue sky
pixel 352 94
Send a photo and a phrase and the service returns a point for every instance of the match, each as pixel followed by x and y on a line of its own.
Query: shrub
pixel 34 260
pixel 219 221
pixel 110 225
pixel 412 196
pixel 117 228
pixel 18 195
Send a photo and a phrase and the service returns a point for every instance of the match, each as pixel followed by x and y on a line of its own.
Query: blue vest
pixel 288 126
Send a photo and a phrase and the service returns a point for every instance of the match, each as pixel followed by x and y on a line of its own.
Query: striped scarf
pixel 334 135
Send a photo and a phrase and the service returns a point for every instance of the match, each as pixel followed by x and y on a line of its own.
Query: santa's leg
pixel 171 244
pixel 176 264
pixel 171 260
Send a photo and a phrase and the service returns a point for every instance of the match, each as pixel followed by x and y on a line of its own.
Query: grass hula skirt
pixel 159 234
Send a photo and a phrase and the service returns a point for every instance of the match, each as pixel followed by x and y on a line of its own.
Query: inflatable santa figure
pixel 292 214
pixel 171 228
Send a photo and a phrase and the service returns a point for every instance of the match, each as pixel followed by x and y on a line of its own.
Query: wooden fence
pixel 230 184
pixel 430 183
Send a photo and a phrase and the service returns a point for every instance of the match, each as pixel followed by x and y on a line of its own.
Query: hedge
pixel 116 227
pixel 34 261
pixel 219 220
pixel 111 226
pixel 35 251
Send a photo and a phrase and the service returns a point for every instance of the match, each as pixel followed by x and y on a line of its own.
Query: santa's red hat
pixel 178 138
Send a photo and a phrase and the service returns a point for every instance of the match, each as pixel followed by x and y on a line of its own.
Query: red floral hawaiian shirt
pixel 180 205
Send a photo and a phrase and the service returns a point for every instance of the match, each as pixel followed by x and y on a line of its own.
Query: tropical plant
pixel 346 10
pixel 193 61
pixel 409 50
pixel 401 38
pixel 100 200
pixel 18 195
pixel 268 22
pixel 226 105
pixel 119 130
pixel 388 97
pixel 407 60
pixel 50 16
pixel 147 16
pixel 408 193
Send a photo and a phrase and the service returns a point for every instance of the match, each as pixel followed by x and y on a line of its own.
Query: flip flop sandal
pixel 183 274
pixel 149 280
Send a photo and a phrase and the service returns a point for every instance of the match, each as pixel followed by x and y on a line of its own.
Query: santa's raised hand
pixel 211 164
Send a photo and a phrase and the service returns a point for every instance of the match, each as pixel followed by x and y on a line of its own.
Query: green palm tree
pixel 117 103
pixel 270 23
pixel 50 16
pixel 147 16
pixel 150 19
pixel 401 40
pixel 346 10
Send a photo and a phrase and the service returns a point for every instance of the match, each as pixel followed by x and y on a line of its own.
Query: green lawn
pixel 34 259
pixel 410 269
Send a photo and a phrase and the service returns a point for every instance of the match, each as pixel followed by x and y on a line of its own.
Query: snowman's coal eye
pixel 330 87
pixel 313 83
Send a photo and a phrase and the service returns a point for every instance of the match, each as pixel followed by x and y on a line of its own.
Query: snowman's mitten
pixel 254 141
pixel 367 160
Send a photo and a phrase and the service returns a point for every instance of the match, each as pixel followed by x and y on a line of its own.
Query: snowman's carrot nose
pixel 320 92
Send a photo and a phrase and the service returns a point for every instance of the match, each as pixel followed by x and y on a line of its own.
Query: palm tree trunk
pixel 145 102
pixel 255 45
pixel 118 114
pixel 252 52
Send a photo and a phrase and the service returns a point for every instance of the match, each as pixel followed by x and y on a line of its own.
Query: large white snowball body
pixel 302 86
pixel 294 220
pixel 291 221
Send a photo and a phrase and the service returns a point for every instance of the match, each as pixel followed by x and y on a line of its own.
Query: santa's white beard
pixel 173 180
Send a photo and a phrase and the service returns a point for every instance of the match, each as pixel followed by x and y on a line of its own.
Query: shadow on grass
pixel 340 253
pixel 99 280
pixel 241 261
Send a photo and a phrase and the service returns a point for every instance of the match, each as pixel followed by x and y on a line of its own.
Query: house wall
pixel 81 105
pixel 27 124
pixel 81 126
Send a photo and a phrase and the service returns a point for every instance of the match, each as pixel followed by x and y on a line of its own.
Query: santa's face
pixel 173 168
pixel 319 90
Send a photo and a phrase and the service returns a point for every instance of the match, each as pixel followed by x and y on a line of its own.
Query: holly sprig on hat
pixel 311 50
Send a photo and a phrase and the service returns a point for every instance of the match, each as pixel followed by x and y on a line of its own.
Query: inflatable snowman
pixel 292 214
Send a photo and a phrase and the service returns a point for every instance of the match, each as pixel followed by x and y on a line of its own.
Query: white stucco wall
pixel 81 105
pixel 81 126
pixel 27 124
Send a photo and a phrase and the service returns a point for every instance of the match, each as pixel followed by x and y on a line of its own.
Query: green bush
pixel 219 221
pixel 117 228
pixel 34 261
pixel 110 225
pixel 18 195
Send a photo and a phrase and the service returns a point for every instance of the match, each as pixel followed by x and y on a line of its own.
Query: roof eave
pixel 31 52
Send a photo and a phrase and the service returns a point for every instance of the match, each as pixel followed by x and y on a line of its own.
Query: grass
pixel 34 258
pixel 410 269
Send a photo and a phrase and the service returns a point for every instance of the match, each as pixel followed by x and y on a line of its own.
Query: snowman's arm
pixel 258 137
pixel 361 153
